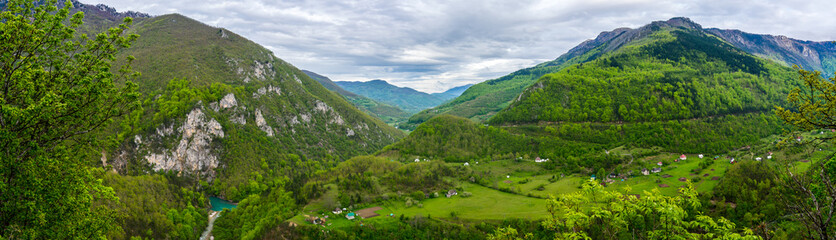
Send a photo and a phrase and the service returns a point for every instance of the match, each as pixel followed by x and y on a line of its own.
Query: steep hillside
pixel 221 107
pixel 408 99
pixel 670 74
pixel 390 114
pixel 485 99
pixel 810 55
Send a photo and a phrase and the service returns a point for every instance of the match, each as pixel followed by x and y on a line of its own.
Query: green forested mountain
pixel 485 99
pixel 232 88
pixel 388 113
pixel 671 74
pixel 408 99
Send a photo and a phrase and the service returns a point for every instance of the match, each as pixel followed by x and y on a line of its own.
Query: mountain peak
pixel 682 22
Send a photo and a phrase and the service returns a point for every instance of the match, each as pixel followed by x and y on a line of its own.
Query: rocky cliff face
pixel 193 152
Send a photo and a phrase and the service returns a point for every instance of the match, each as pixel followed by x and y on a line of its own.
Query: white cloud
pixel 431 45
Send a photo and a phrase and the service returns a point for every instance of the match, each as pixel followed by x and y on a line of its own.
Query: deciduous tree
pixel 56 87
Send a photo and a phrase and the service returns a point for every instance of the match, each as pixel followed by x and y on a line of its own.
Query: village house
pixel 645 171
pixel 612 175
pixel 350 216
pixel 451 193
pixel 659 164
pixel 656 170
pixel 466 164
pixel 758 159
pixel 682 157
pixel 700 156
pixel 337 211
pixel 539 160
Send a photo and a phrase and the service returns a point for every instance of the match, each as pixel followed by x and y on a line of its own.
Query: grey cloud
pixel 431 45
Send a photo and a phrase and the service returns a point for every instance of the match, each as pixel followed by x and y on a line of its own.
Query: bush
pixel 409 202
pixel 418 195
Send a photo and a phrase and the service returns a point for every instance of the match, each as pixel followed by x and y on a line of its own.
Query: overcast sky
pixel 435 45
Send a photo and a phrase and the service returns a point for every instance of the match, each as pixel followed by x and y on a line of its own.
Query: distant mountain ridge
pixel 810 55
pixel 408 99
pixel 388 113
pixel 453 92
pixel 484 100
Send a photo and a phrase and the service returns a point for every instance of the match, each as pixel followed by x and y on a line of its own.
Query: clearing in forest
pixel 368 212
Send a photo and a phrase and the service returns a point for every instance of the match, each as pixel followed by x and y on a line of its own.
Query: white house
pixel 467 164
pixel 417 160
pixel 769 157
pixel 645 171
pixel 539 160
pixel 659 164
pixel 700 156
pixel 451 193
pixel 758 159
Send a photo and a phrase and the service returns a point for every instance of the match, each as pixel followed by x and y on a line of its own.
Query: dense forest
pixel 675 74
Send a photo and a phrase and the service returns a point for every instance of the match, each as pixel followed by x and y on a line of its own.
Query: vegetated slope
pixel 456 139
pixel 408 99
pixel 674 73
pixel 485 99
pixel 810 55
pixel 232 110
pixel 390 114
